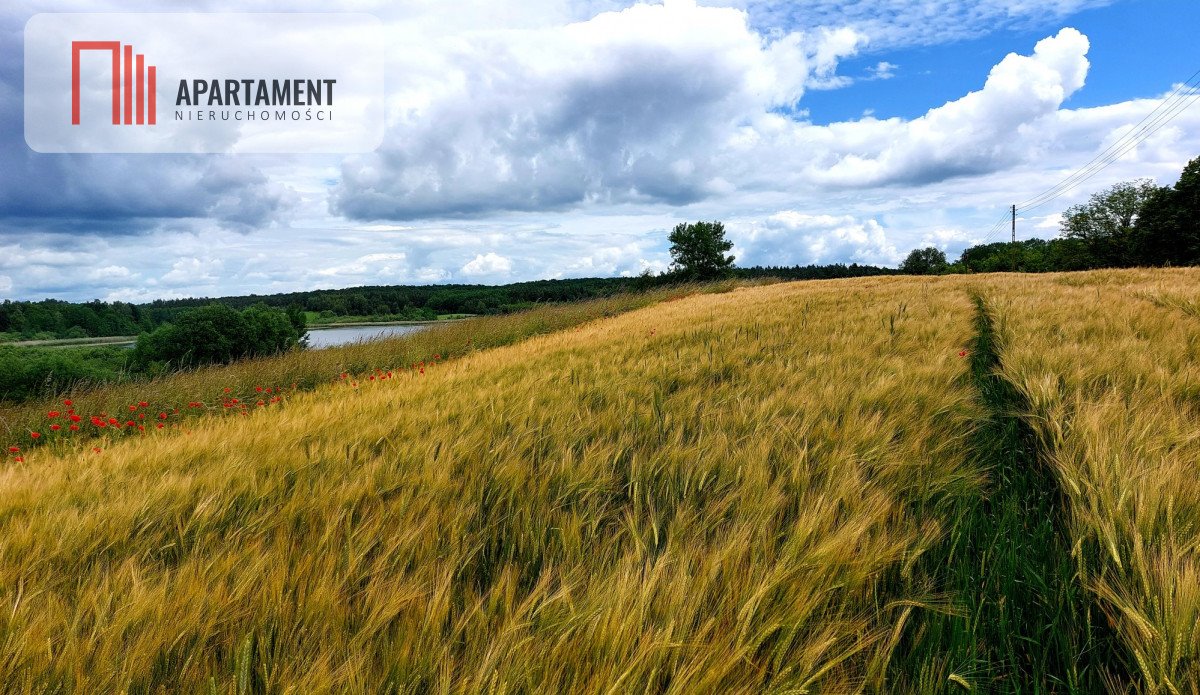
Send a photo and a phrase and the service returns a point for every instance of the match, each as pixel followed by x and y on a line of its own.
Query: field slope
pixel 961 484
pixel 723 493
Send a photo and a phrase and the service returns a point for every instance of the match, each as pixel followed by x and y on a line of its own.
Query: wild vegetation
pixel 914 485
pixel 1108 365
pixel 298 370
pixel 676 499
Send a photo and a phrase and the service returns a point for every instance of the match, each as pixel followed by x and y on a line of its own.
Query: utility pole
pixel 1014 237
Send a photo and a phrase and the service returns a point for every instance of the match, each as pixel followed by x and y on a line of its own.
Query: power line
pixel 1167 109
pixel 1170 107
pixel 1183 96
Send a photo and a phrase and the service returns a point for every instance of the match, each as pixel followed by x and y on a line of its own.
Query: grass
pixel 902 485
pixel 304 370
pixel 1022 623
pixel 719 494
pixel 1113 388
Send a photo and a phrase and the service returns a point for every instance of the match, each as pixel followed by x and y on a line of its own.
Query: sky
pixel 530 139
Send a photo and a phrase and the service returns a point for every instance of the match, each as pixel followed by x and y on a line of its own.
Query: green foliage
pixel 698 250
pixel 217 334
pixel 1168 230
pixel 35 372
pixel 926 261
pixel 1030 256
pixel 1134 223
pixel 1105 223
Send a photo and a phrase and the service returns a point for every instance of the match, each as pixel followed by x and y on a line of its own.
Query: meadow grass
pixel 305 369
pixel 1020 622
pixel 893 485
pixel 725 493
pixel 1107 364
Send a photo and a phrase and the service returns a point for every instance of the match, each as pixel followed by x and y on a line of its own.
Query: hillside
pixel 886 484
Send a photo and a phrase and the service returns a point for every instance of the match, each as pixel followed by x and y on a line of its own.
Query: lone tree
pixel 926 261
pixel 698 250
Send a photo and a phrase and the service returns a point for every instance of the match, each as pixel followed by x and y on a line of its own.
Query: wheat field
pixel 791 488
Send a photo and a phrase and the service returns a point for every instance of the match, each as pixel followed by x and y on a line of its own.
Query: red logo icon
pixel 145 113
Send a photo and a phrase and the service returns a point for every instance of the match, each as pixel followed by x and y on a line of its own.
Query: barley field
pixel 916 485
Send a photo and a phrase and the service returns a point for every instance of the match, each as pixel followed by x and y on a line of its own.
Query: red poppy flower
pixel 132 408
pixel 68 403
pixel 962 353
pixel 75 418
pixel 56 427
pixel 258 389
pixel 114 421
pixel 162 416
pixel 130 423
pixel 160 425
pixel 74 428
pixel 141 416
pixel 227 389
pixel 19 459
pixel 98 422
pixel 14 449
pixel 144 404
pixel 96 449
pixel 35 435
pixel 53 414
pixel 261 403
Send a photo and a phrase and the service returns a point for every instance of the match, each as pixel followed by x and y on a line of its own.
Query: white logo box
pixel 285 82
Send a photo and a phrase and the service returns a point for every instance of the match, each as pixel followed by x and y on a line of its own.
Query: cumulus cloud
pixel 981 132
pixel 193 271
pixel 790 237
pixel 487 264
pixel 679 104
pixel 625 107
pixel 555 139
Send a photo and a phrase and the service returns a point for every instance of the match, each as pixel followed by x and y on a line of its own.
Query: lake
pixel 341 335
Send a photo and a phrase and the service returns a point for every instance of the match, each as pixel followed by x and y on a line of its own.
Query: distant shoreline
pixel 349 324
pixel 120 340
pixel 111 340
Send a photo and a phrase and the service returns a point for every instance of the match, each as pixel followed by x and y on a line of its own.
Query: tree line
pixel 1128 224
pixel 52 318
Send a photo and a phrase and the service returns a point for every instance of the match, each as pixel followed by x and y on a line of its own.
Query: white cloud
pixel 487 264
pixel 109 273
pixel 790 237
pixel 882 70
pixel 898 23
pixel 192 272
pixel 6 283
pixel 540 140
pixel 981 132
pixel 627 107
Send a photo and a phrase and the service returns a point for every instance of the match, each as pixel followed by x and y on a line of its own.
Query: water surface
pixel 341 335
